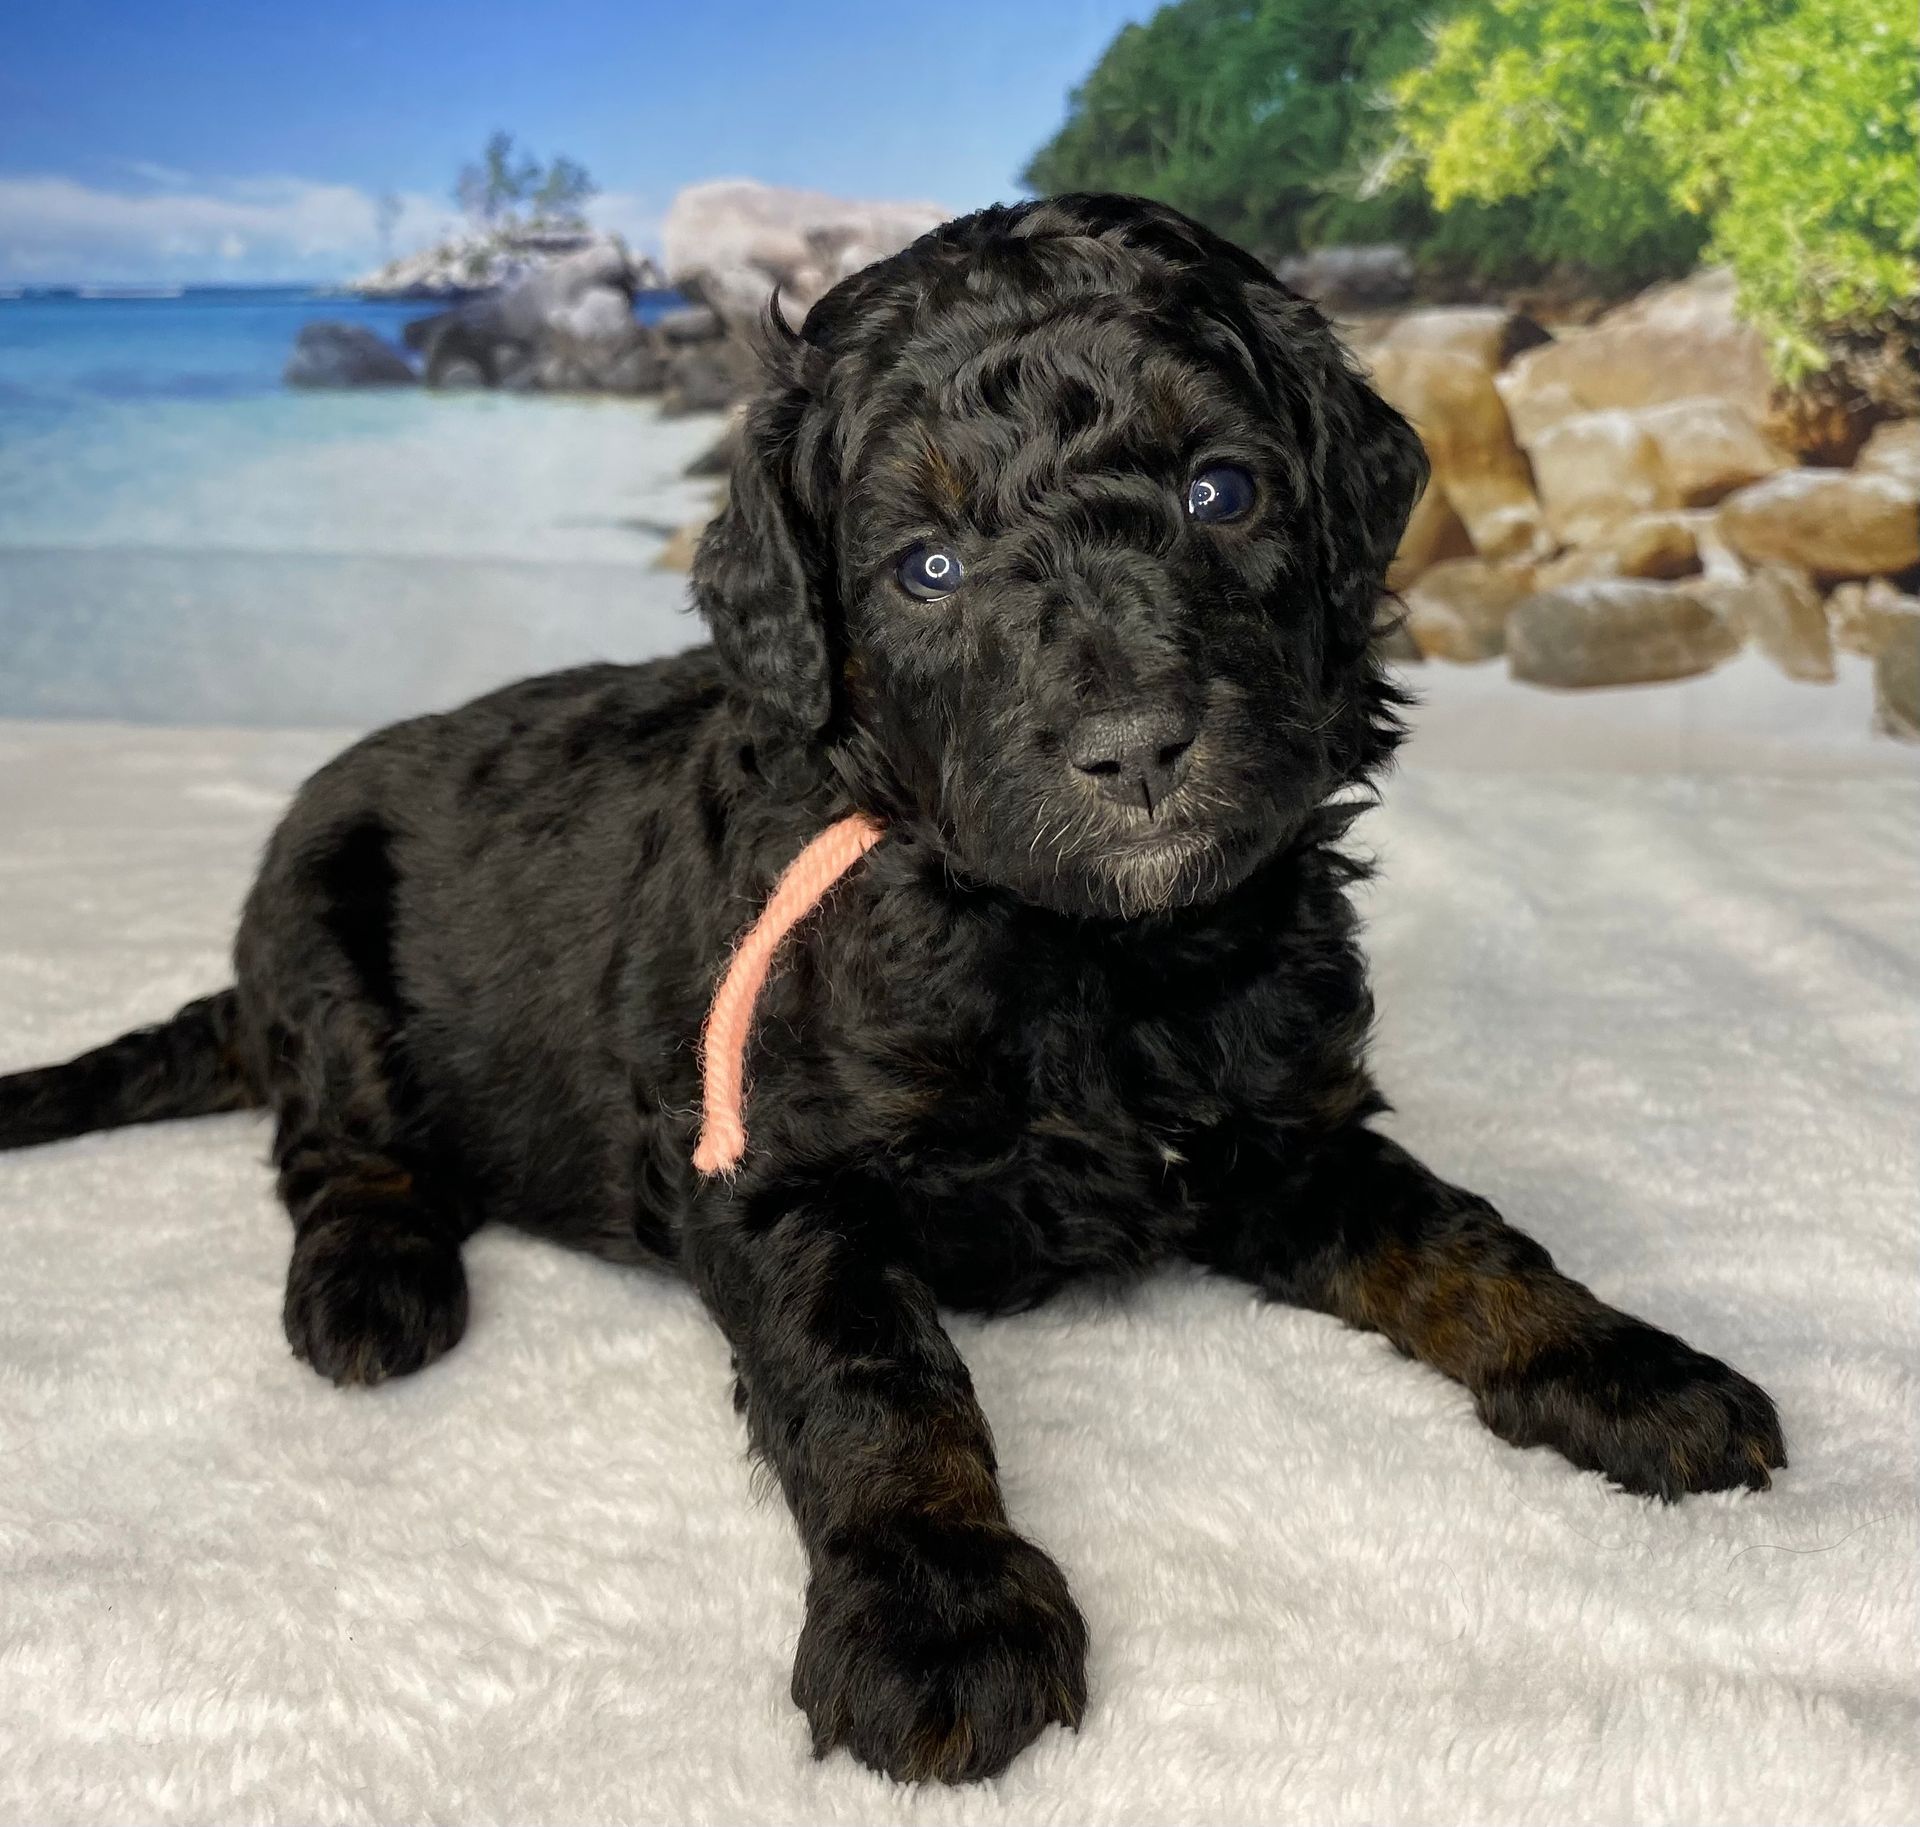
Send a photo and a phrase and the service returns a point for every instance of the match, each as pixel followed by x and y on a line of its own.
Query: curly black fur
pixel 1042 1033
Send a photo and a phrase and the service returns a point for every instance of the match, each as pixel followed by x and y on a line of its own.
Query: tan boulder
pixel 1777 610
pixel 1615 632
pixel 1434 533
pixel 1864 617
pixel 1893 450
pixel 1458 609
pixel 1597 470
pixel 1534 402
pixel 1673 341
pixel 1834 523
pixel 1488 335
pixel 1711 447
pixel 1663 545
pixel 1450 400
pixel 1655 545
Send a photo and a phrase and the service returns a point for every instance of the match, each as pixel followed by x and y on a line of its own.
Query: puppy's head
pixel 1057 537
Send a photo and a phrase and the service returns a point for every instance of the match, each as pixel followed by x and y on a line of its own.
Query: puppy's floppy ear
pixel 760 577
pixel 1367 465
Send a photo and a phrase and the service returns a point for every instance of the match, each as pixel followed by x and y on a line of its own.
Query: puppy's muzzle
pixel 1134 756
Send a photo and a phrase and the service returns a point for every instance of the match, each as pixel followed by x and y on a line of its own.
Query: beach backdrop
pixel 350 366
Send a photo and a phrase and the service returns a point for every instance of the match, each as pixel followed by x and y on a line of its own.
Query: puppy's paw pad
pixel 940 1658
pixel 1645 1409
pixel 370 1297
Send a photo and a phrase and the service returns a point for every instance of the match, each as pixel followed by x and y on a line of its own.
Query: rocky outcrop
pixel 565 327
pixel 490 260
pixel 345 355
pixel 1627 501
pixel 732 243
pixel 553 312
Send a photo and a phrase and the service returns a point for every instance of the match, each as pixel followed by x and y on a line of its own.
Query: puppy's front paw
pixel 1645 1408
pixel 937 1651
pixel 370 1296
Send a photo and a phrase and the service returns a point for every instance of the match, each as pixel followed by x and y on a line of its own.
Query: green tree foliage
pixel 494 190
pixel 1626 137
pixel 1260 117
pixel 1536 110
pixel 1808 165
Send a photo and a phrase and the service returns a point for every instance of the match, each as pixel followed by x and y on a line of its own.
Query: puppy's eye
pixel 929 572
pixel 1225 492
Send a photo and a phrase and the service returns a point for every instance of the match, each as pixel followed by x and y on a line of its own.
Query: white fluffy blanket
pixel 1668 1023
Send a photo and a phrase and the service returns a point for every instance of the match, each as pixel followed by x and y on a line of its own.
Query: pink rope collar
pixel 723 1041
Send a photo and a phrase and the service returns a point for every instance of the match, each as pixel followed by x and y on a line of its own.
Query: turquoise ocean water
pixel 183 539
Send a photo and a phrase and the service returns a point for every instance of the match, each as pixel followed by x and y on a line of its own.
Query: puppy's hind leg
pixel 375 1288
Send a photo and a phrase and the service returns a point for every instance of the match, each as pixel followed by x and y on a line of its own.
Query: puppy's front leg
pixel 1353 1225
pixel 937 1641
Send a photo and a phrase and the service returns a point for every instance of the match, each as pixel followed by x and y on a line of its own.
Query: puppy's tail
pixel 189 1066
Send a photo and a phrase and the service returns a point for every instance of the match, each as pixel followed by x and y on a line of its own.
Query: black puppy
pixel 1053 544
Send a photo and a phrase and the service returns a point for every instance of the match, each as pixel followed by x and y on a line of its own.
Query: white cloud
pixel 168 177
pixel 171 226
pixel 55 228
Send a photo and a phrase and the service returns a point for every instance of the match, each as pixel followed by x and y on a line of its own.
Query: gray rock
pixel 640 369
pixel 1615 633
pixel 1865 617
pixel 1777 610
pixel 599 314
pixel 705 377
pixel 458 352
pixel 567 327
pixel 1896 684
pixel 345 355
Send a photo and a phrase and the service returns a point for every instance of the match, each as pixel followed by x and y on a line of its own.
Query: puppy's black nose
pixel 1134 756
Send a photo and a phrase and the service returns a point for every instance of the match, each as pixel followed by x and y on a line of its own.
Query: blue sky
pixel 243 139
